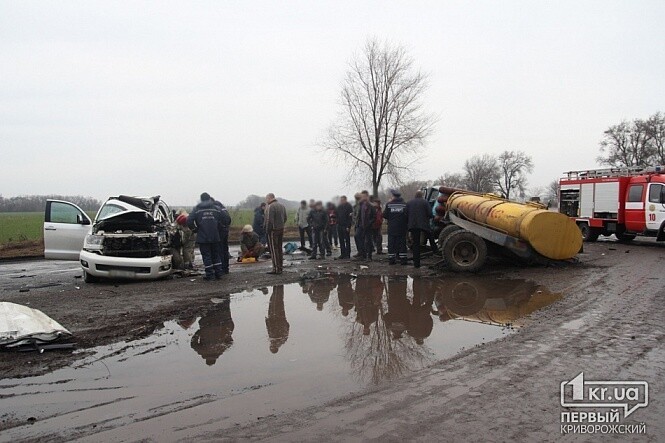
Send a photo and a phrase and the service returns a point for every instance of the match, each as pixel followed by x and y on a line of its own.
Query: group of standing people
pixel 325 227
pixel 330 227
pixel 210 221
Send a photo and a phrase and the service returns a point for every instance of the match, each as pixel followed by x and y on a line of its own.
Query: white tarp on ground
pixel 21 325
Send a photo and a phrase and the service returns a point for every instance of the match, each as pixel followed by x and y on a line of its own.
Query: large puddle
pixel 263 352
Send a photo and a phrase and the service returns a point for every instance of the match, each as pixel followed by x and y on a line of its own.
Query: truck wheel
pixel 90 278
pixel 624 238
pixel 589 234
pixel 464 251
pixel 445 233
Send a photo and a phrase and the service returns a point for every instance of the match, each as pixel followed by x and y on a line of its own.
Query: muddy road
pixel 332 351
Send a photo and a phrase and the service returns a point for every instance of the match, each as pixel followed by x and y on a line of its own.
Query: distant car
pixel 129 238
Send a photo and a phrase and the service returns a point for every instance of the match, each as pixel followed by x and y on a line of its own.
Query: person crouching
pixel 250 244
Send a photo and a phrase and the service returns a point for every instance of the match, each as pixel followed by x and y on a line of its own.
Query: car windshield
pixel 109 209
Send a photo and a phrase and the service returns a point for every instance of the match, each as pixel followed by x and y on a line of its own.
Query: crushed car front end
pixel 130 240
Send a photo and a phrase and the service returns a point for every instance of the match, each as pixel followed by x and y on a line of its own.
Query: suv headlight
pixel 93 242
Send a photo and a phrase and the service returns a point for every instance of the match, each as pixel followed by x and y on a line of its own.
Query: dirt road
pixel 609 324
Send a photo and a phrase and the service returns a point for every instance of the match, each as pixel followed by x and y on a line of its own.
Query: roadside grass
pixel 17 227
pixel 21 226
pixel 242 217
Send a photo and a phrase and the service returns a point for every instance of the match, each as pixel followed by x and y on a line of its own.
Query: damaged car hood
pixel 21 325
pixel 125 213
pixel 128 220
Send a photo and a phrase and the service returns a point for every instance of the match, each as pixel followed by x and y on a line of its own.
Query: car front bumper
pixel 123 267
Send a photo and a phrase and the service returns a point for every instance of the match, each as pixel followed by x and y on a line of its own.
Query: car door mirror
pixel 662 195
pixel 81 220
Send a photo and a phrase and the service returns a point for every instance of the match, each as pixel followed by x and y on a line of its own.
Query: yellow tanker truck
pixel 472 223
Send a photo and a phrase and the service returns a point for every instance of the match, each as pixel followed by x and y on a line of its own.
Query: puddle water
pixel 263 352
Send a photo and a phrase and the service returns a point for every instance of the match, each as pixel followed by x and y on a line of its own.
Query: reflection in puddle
pixel 496 302
pixel 391 318
pixel 297 344
pixel 276 323
pixel 214 334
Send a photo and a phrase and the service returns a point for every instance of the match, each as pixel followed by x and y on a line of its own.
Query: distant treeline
pixel 252 201
pixel 37 203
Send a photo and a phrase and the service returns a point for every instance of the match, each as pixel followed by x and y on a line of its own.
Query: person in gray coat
pixel 302 217
pixel 420 213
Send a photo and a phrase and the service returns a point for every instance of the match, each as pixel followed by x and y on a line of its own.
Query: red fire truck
pixel 626 202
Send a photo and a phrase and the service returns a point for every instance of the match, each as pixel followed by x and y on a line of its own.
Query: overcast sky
pixel 105 98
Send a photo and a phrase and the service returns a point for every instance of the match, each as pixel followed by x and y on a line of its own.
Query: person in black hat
pixel 397 217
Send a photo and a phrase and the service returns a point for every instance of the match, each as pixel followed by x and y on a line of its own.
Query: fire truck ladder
pixel 614 172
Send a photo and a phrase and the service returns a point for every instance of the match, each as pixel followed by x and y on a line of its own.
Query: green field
pixel 24 226
pixel 21 226
pixel 244 217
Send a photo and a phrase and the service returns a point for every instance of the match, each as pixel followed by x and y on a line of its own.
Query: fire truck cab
pixel 626 202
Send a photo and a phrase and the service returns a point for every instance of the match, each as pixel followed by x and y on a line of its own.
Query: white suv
pixel 129 238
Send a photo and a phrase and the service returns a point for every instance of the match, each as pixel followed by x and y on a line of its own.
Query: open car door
pixel 65 228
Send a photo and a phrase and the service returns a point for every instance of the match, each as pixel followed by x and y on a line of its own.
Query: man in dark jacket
pixel 318 221
pixel 377 227
pixel 366 218
pixel 224 227
pixel 331 232
pixel 258 224
pixel 344 223
pixel 275 220
pixel 398 225
pixel 356 208
pixel 206 221
pixel 419 217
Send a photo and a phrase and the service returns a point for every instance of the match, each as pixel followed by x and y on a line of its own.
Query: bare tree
pixel 250 202
pixel 480 173
pixel 655 129
pixel 513 167
pixel 409 189
pixel 536 192
pixel 552 193
pixel 382 125
pixel 452 180
pixel 626 144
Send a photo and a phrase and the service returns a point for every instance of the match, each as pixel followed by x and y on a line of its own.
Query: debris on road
pixel 21 326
